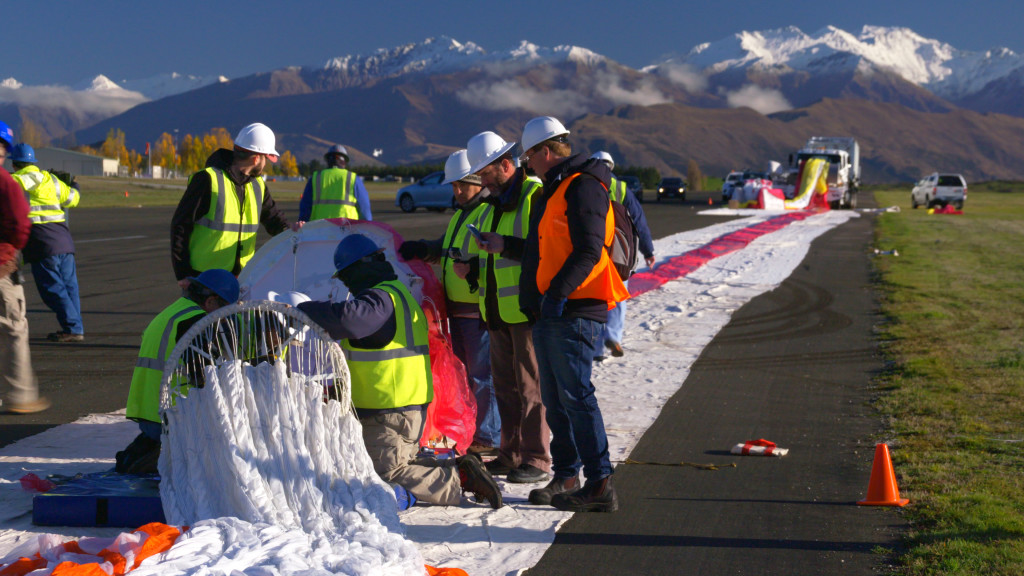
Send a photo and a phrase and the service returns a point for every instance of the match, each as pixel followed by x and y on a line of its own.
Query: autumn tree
pixel 694 177
pixel 33 134
pixel 164 153
pixel 113 146
pixel 287 165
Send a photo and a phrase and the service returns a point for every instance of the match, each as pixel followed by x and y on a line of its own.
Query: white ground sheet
pixel 666 330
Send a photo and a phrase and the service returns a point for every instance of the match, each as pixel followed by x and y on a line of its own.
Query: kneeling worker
pixel 204 293
pixel 384 335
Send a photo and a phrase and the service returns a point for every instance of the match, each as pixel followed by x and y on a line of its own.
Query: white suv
pixel 939 189
pixel 731 181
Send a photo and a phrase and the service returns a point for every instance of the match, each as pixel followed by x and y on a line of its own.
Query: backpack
pixel 625 248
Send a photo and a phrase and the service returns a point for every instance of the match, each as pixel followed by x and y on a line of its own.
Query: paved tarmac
pixel 794 366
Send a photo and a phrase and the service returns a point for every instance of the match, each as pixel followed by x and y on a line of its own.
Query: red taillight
pixel 935 190
pixel 965 191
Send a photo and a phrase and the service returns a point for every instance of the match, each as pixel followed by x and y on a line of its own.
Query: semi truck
pixel 843 156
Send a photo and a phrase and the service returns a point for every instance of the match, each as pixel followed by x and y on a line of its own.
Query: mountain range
pixel 915 104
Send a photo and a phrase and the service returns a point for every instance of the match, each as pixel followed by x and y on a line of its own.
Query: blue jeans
pixel 565 350
pixel 472 345
pixel 616 318
pixel 57 282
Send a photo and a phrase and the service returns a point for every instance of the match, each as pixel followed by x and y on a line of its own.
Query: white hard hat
pixel 604 157
pixel 540 129
pixel 290 298
pixel 258 138
pixel 456 168
pixel 484 148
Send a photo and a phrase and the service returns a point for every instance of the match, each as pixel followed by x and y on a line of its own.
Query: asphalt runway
pixel 793 366
pixel 125 279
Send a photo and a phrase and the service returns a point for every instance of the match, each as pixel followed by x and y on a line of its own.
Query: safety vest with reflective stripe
pixel 506 271
pixel 46 195
pixel 217 234
pixel 398 374
pixel 617 190
pixel 554 246
pixel 334 194
pixel 457 236
pixel 158 342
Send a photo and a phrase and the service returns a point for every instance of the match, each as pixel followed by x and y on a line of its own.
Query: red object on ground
pixel 32 483
pixel 159 538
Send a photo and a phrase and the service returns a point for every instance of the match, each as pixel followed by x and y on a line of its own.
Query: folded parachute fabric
pixel 760 447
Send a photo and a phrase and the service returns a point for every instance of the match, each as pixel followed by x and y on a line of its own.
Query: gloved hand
pixel 413 250
pixel 551 307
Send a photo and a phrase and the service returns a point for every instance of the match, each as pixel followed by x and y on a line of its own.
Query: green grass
pixel 104 192
pixel 954 399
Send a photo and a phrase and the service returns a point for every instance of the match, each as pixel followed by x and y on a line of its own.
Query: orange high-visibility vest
pixel 555 245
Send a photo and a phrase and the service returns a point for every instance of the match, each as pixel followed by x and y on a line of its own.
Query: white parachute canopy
pixel 260 438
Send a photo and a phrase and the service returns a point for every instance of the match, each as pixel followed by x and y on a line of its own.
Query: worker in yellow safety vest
pixel 50 249
pixel 335 192
pixel 384 335
pixel 217 218
pixel 523 455
pixel 204 293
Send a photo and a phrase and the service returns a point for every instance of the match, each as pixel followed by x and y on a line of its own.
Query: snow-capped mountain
pixel 163 85
pixel 936 66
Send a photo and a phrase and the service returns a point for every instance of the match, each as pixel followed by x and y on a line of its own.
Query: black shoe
pixel 595 496
pixel 527 474
pixel 65 337
pixel 497 468
pixel 615 347
pixel 542 496
pixel 475 479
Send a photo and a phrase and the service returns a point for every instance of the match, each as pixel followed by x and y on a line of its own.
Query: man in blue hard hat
pixel 334 192
pixel 210 290
pixel 50 249
pixel 16 375
pixel 383 332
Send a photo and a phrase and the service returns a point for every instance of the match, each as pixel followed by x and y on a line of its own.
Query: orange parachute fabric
pixel 158 538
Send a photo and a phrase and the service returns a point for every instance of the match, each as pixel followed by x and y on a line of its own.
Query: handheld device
pixel 476 233
pixel 455 253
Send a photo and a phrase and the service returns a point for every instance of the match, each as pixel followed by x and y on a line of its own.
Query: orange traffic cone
pixel 709 201
pixel 882 490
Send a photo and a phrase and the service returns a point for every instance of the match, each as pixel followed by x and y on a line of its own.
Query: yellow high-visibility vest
pixel 46 195
pixel 506 271
pixel 334 194
pixel 217 235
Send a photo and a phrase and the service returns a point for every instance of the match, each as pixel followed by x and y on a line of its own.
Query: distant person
pixel 613 329
pixel 50 249
pixel 523 455
pixel 217 218
pixel 335 192
pixel 568 284
pixel 203 294
pixel 457 257
pixel 22 396
pixel 384 335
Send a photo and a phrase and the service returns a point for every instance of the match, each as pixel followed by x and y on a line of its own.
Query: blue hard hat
pixel 6 135
pixel 23 153
pixel 352 249
pixel 221 282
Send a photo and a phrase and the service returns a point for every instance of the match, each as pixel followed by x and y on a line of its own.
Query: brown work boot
pixel 482 450
pixel 37 405
pixel 615 347
pixel 65 337
pixel 475 479
pixel 595 496
pixel 542 496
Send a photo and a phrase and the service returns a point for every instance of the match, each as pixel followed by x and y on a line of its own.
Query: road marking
pixel 108 239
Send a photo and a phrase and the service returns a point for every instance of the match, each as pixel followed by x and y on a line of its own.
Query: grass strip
pixel 953 398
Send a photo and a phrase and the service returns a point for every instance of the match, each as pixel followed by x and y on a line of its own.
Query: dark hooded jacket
pixel 195 203
pixel 587 208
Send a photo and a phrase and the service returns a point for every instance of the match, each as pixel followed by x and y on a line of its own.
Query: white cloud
pixel 510 95
pixel 764 100
pixel 646 94
pixel 685 75
pixel 79 103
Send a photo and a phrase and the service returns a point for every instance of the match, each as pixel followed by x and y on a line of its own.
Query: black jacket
pixel 195 203
pixel 587 210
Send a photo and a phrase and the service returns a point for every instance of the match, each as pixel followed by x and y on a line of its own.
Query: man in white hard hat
pixel 613 329
pixel 568 284
pixel 523 454
pixel 457 257
pixel 334 192
pixel 217 218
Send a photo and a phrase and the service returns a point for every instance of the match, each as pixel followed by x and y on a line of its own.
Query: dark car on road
pixel 672 188
pixel 634 187
pixel 427 193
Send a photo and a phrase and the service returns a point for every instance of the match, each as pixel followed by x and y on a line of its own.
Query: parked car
pixel 634 187
pixel 939 189
pixel 731 181
pixel 427 193
pixel 672 188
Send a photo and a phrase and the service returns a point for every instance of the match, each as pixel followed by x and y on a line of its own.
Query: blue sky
pixel 68 41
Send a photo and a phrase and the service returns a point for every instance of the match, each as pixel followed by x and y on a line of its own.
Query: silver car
pixel 427 193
